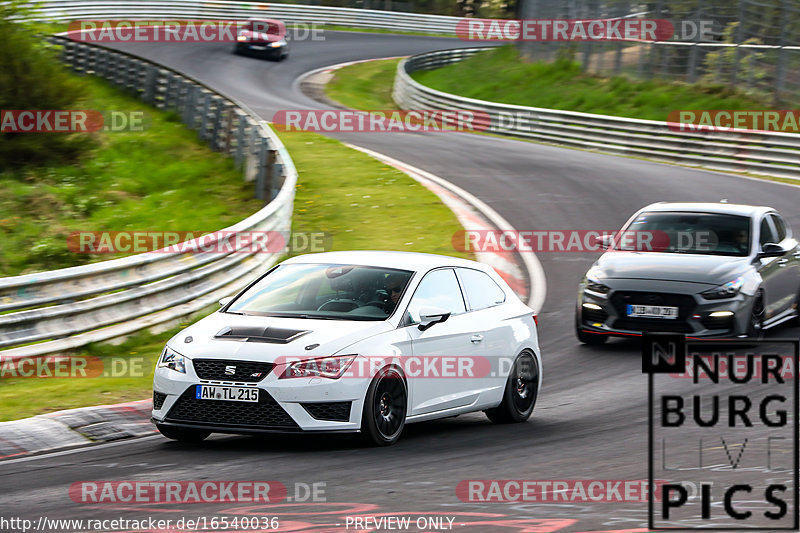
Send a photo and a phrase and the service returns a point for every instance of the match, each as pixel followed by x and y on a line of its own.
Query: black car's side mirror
pixel 771 249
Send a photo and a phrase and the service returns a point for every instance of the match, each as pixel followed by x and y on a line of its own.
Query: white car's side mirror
pixel 429 316
pixel 225 301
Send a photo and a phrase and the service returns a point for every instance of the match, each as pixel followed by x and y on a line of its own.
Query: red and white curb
pixel 75 427
pixel 523 272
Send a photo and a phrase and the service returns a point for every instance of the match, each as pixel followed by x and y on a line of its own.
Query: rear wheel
pixel 384 415
pixel 585 337
pixel 522 388
pixel 183 434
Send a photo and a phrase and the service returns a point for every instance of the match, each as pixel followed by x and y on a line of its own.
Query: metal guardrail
pixel 71 307
pixel 61 10
pixel 767 153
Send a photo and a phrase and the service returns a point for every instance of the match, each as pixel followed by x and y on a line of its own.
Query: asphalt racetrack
pixel 591 418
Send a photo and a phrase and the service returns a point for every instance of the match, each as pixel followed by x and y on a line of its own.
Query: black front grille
pixel 333 411
pixel 243 371
pixel 265 414
pixel 158 400
pixel 685 304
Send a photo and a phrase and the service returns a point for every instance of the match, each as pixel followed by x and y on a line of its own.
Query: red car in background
pixel 263 38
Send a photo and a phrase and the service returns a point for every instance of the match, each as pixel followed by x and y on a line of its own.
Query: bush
pixel 31 77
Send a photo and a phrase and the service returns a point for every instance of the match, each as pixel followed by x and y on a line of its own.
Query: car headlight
pixel 726 290
pixel 595 287
pixel 242 38
pixel 324 367
pixel 277 44
pixel 173 360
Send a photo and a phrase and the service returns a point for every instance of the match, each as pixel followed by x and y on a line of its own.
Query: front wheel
pixel 183 434
pixel 755 327
pixel 522 388
pixel 385 404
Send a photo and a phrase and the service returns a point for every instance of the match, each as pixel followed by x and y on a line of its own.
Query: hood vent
pixel 260 334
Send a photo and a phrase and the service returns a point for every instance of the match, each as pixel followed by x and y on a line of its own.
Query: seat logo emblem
pixel 230 370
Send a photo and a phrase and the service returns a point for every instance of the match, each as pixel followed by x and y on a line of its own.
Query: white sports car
pixel 352 342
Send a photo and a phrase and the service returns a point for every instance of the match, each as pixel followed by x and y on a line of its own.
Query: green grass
pixel 24 397
pixel 160 179
pixel 500 75
pixel 364 85
pixel 360 202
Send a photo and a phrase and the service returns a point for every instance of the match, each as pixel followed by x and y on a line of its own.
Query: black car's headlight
pixel 726 290
pixel 594 286
pixel 277 44
pixel 172 360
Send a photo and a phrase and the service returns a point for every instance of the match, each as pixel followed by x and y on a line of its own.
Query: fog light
pixel 720 314
pixel 592 306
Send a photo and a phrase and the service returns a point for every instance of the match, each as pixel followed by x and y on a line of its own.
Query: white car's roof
pixel 402 260
pixel 709 207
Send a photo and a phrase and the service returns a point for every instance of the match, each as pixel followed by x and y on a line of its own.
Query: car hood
pixel 229 336
pixel 693 268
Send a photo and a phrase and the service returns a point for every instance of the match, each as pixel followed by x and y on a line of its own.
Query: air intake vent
pixel 260 334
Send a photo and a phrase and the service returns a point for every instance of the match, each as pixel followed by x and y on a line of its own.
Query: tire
pixel 755 325
pixel 593 339
pixel 385 406
pixel 183 434
pixel 522 389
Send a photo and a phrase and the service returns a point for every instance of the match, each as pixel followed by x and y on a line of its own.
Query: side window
pixel 480 289
pixel 437 289
pixel 780 227
pixel 766 234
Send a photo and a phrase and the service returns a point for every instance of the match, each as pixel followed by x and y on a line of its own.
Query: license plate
pixel 652 311
pixel 230 394
pixel 256 47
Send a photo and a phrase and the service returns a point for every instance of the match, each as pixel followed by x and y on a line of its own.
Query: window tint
pixel 780 226
pixel 480 289
pixel 766 234
pixel 437 289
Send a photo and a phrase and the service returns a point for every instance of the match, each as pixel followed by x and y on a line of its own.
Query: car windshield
pixel 324 291
pixel 263 26
pixel 689 233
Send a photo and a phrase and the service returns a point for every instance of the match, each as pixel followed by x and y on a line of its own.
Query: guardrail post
pixel 149 94
pixel 241 139
pixel 262 179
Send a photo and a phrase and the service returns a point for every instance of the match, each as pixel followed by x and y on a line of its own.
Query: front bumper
pixel 607 314
pixel 285 405
pixel 260 50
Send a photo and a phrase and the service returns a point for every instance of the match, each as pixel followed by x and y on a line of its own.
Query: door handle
pixel 476 339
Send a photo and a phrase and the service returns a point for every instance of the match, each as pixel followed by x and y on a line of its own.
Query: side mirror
pixel 771 249
pixel 429 316
pixel 604 241
pixel 225 301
